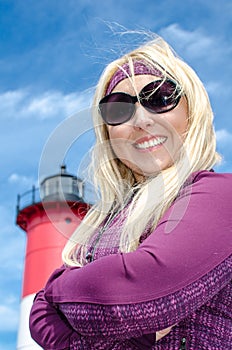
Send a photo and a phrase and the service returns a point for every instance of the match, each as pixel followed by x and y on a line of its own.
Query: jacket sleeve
pixel 122 322
pixel 52 332
pixel 48 326
pixel 179 267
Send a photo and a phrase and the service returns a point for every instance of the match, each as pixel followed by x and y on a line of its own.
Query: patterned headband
pixel 123 72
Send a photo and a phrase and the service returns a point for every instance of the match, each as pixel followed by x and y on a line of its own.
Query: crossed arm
pixel 122 297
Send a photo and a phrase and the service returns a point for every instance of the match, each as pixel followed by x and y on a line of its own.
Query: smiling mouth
pixel 150 143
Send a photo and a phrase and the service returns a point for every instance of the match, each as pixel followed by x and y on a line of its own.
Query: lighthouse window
pixel 68 220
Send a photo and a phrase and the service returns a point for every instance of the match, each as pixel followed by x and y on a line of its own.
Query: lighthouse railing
pixel 28 198
pixel 55 192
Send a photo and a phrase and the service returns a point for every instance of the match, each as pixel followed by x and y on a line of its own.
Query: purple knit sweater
pixel 179 275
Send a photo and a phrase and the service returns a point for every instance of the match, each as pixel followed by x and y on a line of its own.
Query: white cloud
pixel 224 137
pixel 9 317
pixel 17 179
pixel 213 87
pixel 194 44
pixel 218 89
pixel 54 103
pixel 50 104
pixel 12 247
pixel 224 141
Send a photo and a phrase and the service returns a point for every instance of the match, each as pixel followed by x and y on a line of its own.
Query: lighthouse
pixel 48 219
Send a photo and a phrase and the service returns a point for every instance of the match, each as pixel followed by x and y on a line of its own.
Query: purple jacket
pixel 179 275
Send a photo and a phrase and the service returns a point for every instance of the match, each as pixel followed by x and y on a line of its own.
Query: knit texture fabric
pixel 182 278
pixel 207 328
pixel 139 68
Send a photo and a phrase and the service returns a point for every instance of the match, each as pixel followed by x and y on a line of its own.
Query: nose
pixel 142 118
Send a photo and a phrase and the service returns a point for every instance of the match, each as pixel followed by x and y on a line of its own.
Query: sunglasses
pixel 157 97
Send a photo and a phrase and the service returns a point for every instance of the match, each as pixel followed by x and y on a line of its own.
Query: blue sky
pixel 51 55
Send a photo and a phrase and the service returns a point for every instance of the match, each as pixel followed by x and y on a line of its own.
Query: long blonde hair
pixel 114 180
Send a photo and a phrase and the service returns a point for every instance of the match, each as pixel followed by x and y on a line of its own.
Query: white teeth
pixel 151 143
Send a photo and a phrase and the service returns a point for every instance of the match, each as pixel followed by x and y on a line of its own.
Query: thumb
pixel 162 333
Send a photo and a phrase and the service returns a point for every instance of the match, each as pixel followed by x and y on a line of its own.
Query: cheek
pixel 119 148
pixel 181 126
pixel 180 120
pixel 118 131
pixel 112 131
pixel 119 136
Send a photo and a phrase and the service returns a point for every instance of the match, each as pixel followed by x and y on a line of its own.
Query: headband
pixel 123 72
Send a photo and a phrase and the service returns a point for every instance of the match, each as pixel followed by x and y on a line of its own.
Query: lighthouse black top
pixel 119 301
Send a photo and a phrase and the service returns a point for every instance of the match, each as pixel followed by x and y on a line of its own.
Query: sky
pixel 52 53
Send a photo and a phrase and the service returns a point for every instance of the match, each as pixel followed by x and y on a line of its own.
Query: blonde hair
pixel 115 180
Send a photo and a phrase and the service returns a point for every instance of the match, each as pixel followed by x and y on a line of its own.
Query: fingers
pixel 162 333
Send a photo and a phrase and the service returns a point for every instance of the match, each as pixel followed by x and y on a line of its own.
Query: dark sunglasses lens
pixel 116 108
pixel 160 97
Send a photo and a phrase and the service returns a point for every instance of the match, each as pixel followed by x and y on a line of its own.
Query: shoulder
pixel 212 183
pixel 212 176
pixel 203 203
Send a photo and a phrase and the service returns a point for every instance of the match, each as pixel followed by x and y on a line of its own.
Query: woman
pixel 155 252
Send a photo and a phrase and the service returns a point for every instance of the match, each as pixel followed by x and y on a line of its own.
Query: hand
pixel 162 333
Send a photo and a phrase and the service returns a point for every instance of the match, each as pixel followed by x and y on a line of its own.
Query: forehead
pixel 131 86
